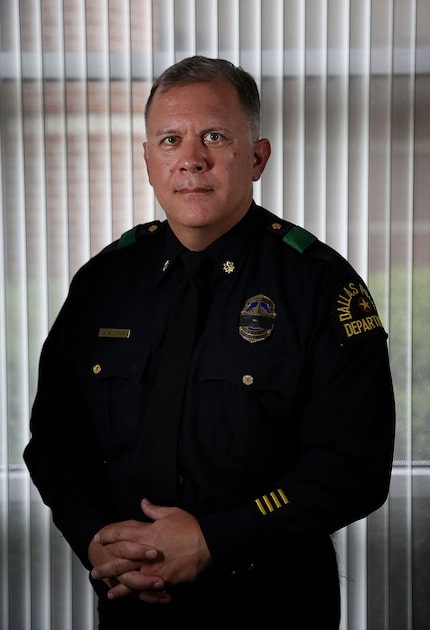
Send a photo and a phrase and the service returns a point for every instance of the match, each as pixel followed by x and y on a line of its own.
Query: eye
pixel 170 140
pixel 212 136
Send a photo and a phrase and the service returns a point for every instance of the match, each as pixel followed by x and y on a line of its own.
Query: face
pixel 201 159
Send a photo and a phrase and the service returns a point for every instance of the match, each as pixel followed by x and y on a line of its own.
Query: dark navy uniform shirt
pixel 288 426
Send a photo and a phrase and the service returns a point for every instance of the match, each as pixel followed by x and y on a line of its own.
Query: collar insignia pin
pixel 228 266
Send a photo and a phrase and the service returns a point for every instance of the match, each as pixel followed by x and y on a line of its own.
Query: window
pixel 345 92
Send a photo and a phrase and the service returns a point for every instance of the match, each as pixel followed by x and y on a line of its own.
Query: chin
pixel 196 215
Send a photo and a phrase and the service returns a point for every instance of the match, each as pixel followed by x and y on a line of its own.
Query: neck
pixel 195 239
pixel 199 238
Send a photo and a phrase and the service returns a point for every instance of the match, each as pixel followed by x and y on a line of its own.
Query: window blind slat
pixel 15 153
pixel 294 110
pixel 269 192
pixel 338 40
pixel 315 116
pixel 206 28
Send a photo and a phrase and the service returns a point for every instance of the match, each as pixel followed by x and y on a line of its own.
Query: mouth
pixel 193 190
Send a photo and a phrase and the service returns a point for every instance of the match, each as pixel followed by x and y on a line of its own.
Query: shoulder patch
pixel 299 238
pixel 354 312
pixel 130 237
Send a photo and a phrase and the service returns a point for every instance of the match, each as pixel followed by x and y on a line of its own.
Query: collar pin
pixel 228 266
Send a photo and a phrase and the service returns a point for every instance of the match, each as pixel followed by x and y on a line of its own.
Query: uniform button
pixel 97 368
pixel 247 379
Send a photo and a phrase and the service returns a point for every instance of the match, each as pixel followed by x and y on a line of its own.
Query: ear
pixel 145 157
pixel 262 151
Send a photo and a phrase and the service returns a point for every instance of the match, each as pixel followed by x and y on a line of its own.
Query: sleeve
pixel 62 454
pixel 343 469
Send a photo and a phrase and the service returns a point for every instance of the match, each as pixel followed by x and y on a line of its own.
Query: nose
pixel 193 158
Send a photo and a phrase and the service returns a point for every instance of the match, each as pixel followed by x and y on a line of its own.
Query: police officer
pixel 287 424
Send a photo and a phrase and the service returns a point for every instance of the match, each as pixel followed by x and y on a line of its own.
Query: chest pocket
pixel 110 377
pixel 249 396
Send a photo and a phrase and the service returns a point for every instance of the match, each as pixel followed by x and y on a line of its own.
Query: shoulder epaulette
pixel 130 236
pixel 299 238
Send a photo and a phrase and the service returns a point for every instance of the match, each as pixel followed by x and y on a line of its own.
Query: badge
pixel 257 318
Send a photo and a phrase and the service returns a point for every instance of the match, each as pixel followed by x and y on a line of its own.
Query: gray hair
pixel 199 69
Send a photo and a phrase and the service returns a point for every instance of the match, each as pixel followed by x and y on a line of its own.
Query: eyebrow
pixel 166 132
pixel 203 132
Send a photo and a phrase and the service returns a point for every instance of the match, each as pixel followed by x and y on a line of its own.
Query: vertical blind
pixel 345 89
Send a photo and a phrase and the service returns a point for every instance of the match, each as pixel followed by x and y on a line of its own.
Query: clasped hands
pixel 143 557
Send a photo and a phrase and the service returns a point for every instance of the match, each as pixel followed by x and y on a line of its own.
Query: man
pixel 288 417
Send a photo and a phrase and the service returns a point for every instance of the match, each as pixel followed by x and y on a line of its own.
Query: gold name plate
pixel 117 333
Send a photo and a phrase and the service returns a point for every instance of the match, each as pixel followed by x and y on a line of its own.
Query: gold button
pixel 276 226
pixel 97 368
pixel 247 379
pixel 153 228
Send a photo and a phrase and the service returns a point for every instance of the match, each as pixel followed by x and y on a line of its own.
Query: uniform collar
pixel 227 254
pixel 167 253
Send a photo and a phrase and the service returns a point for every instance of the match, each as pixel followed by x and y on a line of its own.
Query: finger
pixel 118 591
pixel 119 531
pixel 134 579
pixel 138 581
pixel 110 582
pixel 131 551
pixel 155 597
pixel 113 568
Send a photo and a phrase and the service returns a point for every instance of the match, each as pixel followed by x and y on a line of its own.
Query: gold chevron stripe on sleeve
pixel 269 502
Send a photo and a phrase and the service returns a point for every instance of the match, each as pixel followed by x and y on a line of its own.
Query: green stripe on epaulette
pixel 299 238
pixel 128 238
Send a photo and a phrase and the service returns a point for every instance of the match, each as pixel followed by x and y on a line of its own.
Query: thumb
pixel 150 509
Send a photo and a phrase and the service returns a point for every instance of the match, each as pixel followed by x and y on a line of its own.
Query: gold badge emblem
pixel 257 318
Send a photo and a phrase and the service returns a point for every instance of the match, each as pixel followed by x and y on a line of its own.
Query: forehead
pixel 217 98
